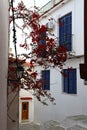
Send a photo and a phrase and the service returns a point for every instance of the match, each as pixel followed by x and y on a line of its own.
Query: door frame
pixel 30 109
pixel 25 111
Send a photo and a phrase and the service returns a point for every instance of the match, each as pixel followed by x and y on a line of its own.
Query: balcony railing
pixel 56 1
pixel 48 6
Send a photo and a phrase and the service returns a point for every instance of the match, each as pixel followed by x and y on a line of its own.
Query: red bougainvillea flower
pixel 35 16
pixel 21 6
pixel 42 29
pixel 45 52
pixel 34 74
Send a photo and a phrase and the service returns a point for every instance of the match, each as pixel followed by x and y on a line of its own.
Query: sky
pixel 29 4
pixel 41 3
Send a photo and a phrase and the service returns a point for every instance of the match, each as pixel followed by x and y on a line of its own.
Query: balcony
pixel 46 7
pixel 49 6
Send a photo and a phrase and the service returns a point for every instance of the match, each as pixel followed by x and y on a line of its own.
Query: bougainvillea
pixel 45 52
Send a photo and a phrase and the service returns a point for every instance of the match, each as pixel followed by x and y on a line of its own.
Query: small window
pixel 42 45
pixel 46 79
pixel 69 81
pixel 65 31
pixel 24 106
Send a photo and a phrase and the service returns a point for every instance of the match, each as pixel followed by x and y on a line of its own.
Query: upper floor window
pixel 46 79
pixel 69 81
pixel 42 44
pixel 65 31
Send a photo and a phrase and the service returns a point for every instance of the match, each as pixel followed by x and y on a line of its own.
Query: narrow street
pixel 78 122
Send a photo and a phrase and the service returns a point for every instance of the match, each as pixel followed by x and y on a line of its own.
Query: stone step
pixel 51 125
pixel 77 127
pixel 29 126
pixel 78 122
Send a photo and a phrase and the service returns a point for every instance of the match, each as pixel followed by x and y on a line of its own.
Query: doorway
pixel 25 110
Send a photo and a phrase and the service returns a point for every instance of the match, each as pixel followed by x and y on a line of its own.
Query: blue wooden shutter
pixel 42 41
pixel 43 38
pixel 69 81
pixel 65 31
pixel 65 81
pixel 72 81
pixel 68 31
pixel 46 79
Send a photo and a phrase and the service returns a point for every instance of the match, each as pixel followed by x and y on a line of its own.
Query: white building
pixel 70 92
pixel 3 62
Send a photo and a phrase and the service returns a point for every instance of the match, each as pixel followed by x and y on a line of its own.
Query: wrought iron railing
pixel 48 6
pixel 56 1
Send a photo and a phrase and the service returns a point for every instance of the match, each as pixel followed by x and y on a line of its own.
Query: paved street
pixel 78 122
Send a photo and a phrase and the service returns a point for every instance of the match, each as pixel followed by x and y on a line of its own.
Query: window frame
pixel 69 78
pixel 65 39
pixel 45 83
pixel 42 42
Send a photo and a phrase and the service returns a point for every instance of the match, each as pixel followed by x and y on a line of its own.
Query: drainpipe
pixel 83 67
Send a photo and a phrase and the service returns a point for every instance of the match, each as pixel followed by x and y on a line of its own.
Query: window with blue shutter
pixel 69 81
pixel 65 81
pixel 65 31
pixel 42 45
pixel 43 38
pixel 46 79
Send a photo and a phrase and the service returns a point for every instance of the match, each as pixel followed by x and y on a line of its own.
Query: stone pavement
pixel 29 126
pixel 78 122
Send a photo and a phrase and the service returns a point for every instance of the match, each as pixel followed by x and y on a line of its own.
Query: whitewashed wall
pixel 66 104
pixel 77 9
pixel 3 62
pixel 25 94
